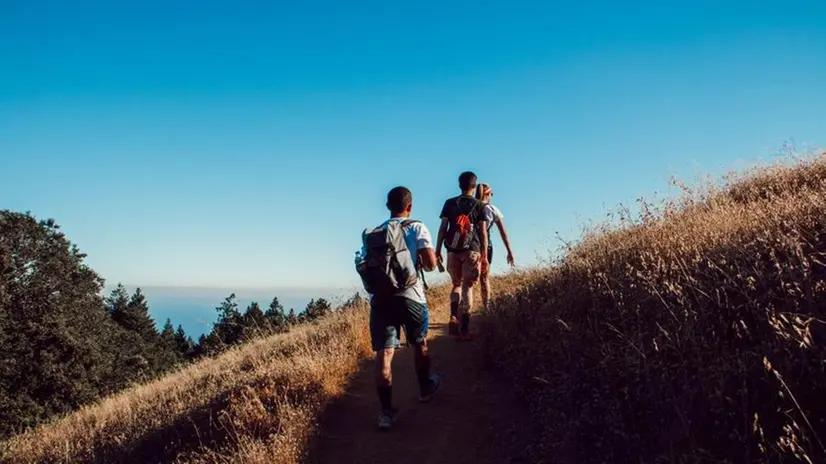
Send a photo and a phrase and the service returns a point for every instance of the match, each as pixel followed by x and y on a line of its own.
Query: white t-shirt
pixel 495 213
pixel 417 237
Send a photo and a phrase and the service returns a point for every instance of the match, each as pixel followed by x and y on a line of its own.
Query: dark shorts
pixel 397 311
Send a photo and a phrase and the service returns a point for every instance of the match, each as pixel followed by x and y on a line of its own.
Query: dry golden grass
pixel 255 404
pixel 693 332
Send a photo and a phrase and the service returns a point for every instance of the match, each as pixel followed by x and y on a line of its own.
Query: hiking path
pixel 473 418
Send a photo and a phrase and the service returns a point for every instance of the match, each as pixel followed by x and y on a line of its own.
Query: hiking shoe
pixel 434 384
pixel 453 326
pixel 386 419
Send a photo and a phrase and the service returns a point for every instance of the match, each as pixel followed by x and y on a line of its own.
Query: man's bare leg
pixel 421 362
pixel 484 287
pixel 454 267
pixel 464 307
pixel 384 378
pixel 428 384
pixel 470 274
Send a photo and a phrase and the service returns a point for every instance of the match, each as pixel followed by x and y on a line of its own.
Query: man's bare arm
pixel 500 224
pixel 440 237
pixel 427 257
pixel 484 226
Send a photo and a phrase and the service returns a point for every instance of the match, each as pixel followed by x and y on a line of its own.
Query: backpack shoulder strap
pixel 408 222
pixel 470 209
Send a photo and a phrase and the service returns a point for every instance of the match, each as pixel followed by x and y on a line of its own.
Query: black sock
pixel 386 397
pixel 465 323
pixel 454 308
pixel 423 374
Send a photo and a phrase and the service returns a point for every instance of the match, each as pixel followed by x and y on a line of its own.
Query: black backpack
pixel 460 228
pixel 387 268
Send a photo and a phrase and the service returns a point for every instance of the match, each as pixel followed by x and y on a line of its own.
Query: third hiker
pixel 464 233
pixel 484 193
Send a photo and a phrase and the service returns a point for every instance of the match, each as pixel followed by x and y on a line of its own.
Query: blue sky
pixel 247 144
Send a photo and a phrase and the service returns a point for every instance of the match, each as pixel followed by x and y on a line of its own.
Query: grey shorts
pixel 397 311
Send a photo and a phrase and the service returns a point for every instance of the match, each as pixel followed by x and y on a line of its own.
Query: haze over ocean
pixel 194 308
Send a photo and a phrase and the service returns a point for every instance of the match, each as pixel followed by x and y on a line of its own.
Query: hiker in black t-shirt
pixel 464 232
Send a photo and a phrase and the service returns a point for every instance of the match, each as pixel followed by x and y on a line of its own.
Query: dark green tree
pixel 317 309
pixel 353 302
pixel 228 309
pixel 213 344
pixel 58 345
pixel 275 316
pixel 183 344
pixel 229 328
pixel 168 337
pixel 291 318
pixel 117 302
pixel 137 318
pixel 199 349
pixel 255 324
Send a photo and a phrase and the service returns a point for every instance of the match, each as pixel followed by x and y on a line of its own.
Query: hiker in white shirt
pixel 484 193
pixel 406 309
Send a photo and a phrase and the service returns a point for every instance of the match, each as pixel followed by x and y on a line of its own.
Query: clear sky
pixel 247 144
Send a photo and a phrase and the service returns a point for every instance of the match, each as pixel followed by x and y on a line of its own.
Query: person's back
pixel 464 233
pixel 391 310
pixel 463 213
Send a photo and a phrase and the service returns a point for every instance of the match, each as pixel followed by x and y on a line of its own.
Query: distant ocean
pixel 194 308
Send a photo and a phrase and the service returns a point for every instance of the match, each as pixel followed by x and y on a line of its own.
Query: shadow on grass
pixel 198 429
pixel 205 428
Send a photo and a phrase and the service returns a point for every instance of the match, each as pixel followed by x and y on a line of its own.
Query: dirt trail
pixel 472 419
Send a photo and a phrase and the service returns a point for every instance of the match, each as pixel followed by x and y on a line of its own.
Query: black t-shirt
pixel 476 211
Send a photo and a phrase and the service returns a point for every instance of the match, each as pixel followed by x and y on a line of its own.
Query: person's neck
pixel 469 193
pixel 404 215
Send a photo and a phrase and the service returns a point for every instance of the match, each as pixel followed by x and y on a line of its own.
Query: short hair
pixel 398 199
pixel 467 180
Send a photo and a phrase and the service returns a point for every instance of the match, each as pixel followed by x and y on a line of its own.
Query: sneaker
pixel 386 419
pixel 453 326
pixel 434 384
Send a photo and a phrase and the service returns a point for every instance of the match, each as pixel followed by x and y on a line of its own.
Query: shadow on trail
pixel 474 418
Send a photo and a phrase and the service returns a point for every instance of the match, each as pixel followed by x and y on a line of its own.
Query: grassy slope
pixel 257 403
pixel 691 334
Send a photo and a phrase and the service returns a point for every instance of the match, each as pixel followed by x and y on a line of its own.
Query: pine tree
pixel 291 318
pixel 117 302
pixel 317 309
pixel 228 310
pixel 163 353
pixel 255 324
pixel 199 349
pixel 134 316
pixel 229 328
pixel 150 354
pixel 183 343
pixel 213 343
pixel 276 317
pixel 168 337
pixel 353 302
pixel 139 319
